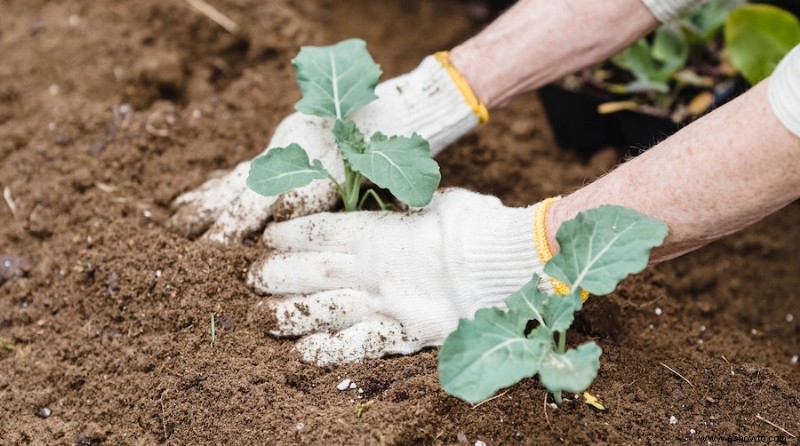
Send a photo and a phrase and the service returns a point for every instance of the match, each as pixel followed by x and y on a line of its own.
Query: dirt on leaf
pixel 109 110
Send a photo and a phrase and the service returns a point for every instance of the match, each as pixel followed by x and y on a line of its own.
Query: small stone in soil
pixel 44 412
pixel 673 420
pixel 12 268
pixel 789 317
pixel 658 311
pixel 344 385
pixel 479 443
pixel 795 358
pixel 353 385
pixel 300 426
pixel 692 431
pixel 749 370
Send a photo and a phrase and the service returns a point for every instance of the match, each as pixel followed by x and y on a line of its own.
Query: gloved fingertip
pixel 190 221
pixel 263 315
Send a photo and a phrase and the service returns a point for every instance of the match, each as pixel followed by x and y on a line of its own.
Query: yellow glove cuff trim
pixel 543 247
pixel 469 96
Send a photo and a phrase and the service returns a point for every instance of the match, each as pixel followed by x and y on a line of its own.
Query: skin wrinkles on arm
pixel 723 172
pixel 537 42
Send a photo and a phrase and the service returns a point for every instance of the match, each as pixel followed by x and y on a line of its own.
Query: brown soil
pixel 108 110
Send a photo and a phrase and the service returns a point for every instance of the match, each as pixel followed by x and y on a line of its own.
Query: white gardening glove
pixel 426 101
pixel 784 91
pixel 368 284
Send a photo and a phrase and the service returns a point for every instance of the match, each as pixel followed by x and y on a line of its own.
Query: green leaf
pixel 706 19
pixel 560 311
pixel 402 165
pixel 349 139
pixel 601 246
pixel 282 169
pixel 336 80
pixel 671 49
pixel 529 301
pixel 573 371
pixel 637 59
pixel 757 37
pixel 489 353
pixel 554 312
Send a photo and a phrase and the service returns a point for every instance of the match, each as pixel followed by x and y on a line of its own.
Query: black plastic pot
pixel 578 125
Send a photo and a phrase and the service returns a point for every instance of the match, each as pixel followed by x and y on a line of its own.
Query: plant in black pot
pixel 664 81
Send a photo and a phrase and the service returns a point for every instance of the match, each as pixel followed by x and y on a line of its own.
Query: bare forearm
pixel 716 176
pixel 539 41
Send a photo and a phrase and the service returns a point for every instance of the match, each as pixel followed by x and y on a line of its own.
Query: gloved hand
pixel 393 283
pixel 433 100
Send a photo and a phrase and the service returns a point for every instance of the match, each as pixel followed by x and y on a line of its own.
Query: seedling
pixel 497 349
pixel 688 52
pixel 335 82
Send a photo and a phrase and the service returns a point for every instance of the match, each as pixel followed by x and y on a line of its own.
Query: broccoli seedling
pixel 335 81
pixel 599 248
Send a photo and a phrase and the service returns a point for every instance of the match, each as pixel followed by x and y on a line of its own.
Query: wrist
pixel 547 218
pixel 425 101
pixel 463 60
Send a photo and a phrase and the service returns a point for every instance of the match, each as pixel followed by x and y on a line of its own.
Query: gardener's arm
pixel 720 174
pixel 539 41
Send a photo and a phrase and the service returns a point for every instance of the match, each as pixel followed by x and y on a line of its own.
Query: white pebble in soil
pixel 673 420
pixel 479 443
pixel 659 311
pixel 795 359
pixel 789 317
pixel 44 412
pixel 353 385
pixel 300 426
pixel 344 385
pixel 692 431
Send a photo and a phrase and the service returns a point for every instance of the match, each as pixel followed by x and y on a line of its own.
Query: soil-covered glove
pixel 367 284
pixel 433 100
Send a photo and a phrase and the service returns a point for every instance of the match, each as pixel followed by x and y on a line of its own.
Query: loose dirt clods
pixel 125 359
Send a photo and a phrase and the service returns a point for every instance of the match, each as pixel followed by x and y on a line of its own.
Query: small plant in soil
pixel 336 81
pixel 717 40
pixel 500 347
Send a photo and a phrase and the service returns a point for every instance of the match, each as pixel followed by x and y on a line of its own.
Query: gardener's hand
pixel 426 101
pixel 367 284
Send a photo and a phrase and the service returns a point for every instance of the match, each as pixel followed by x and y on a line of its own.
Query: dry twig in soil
pixel 214 14
pixel 758 415
pixel 673 371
